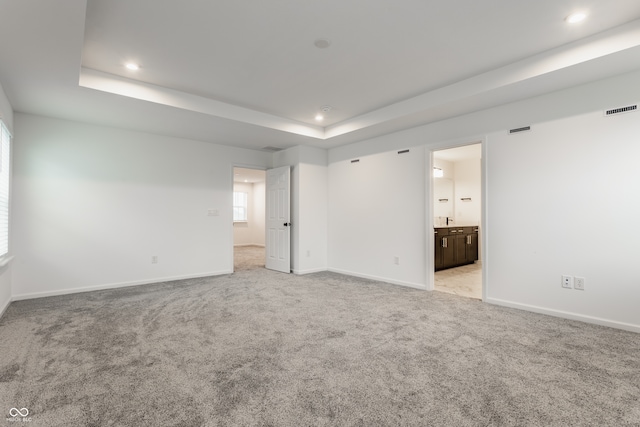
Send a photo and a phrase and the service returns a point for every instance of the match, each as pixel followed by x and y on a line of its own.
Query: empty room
pixel 285 213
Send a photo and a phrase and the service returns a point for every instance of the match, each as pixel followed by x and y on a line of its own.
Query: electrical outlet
pixel 579 283
pixel 396 260
pixel 567 282
pixel 154 259
pixel 308 254
pixel 213 212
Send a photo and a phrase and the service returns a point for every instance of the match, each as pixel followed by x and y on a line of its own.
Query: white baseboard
pixel 420 286
pixel 4 308
pixel 114 285
pixel 309 271
pixel 248 244
pixel 565 315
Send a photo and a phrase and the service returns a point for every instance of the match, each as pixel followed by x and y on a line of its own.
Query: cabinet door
pixel 472 247
pixel 460 249
pixel 448 251
pixel 437 238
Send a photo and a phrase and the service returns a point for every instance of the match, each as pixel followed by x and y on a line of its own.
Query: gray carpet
pixel 260 348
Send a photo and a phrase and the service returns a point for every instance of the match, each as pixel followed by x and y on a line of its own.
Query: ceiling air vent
pixel 522 129
pixel 272 149
pixel 620 110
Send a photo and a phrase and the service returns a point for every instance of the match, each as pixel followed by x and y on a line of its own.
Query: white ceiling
pixel 249 175
pixel 458 154
pixel 246 72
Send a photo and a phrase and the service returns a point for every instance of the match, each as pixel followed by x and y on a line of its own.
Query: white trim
pixel 116 285
pixel 6 306
pixel 5 260
pixel 309 271
pixel 420 286
pixel 429 181
pixel 565 315
pixel 484 218
pixel 430 238
pixel 231 227
pixel 248 244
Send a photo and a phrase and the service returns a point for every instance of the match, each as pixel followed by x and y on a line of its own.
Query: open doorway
pixel 248 218
pixel 457 211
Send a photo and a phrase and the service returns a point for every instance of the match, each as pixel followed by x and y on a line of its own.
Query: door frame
pixel 231 238
pixel 484 229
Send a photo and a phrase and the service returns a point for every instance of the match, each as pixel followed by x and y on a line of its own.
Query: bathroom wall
pixel 467 184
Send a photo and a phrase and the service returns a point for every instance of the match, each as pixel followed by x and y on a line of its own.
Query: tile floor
pixel 465 281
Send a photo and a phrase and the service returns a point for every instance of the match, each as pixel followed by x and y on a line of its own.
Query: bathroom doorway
pixel 457 214
pixel 248 218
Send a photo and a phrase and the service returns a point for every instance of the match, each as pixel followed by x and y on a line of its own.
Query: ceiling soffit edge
pixel 615 40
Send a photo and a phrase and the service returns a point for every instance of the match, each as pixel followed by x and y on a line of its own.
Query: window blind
pixel 5 164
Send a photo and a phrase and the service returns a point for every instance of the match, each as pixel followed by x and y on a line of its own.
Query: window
pixel 5 163
pixel 239 206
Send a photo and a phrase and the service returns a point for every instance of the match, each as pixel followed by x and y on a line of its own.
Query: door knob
pixel 287 224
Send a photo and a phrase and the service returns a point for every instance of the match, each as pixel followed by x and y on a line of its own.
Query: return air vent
pixel 621 110
pixel 355 161
pixel 272 149
pixel 522 129
pixel 403 151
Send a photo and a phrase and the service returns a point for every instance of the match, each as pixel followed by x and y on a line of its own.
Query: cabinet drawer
pixel 456 230
pixel 439 232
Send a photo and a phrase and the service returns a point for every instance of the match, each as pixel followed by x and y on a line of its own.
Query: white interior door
pixel 278 219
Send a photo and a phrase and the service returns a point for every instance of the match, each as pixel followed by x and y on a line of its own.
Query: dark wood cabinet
pixel 439 249
pixel 472 245
pixel 455 246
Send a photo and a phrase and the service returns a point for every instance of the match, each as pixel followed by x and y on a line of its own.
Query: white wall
pixel 6 114
pixel 252 231
pixel 467 184
pixel 376 213
pixel 313 218
pixel 563 200
pixel 93 204
pixel 443 188
pixel 571 225
pixel 259 214
pixel 309 187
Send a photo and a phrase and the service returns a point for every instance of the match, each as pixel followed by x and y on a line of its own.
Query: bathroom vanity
pixel 455 246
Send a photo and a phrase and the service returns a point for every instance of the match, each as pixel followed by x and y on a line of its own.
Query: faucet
pixel 449 220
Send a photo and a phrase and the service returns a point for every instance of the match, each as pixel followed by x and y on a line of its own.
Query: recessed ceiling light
pixel 574 18
pixel 319 117
pixel 131 66
pixel 322 43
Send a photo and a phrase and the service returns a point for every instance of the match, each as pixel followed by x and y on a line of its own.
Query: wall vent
pixel 403 151
pixel 620 110
pixel 272 149
pixel 355 161
pixel 522 129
